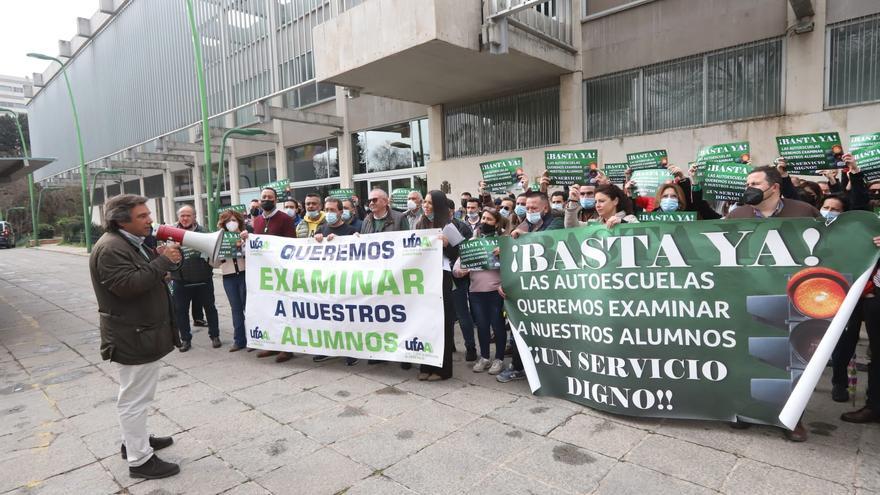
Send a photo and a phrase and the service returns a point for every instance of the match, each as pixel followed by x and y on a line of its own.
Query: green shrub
pixel 46 231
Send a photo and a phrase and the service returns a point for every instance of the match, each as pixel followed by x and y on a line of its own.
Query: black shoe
pixel 185 346
pixel 321 358
pixel 470 354
pixel 215 342
pixel 739 425
pixel 405 366
pixel 839 393
pixel 158 443
pixel 154 469
pixel 374 361
pixel 351 361
pixel 200 323
pixel 863 415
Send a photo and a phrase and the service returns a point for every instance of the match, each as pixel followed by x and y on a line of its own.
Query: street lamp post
pixel 203 97
pixel 30 177
pixel 239 131
pixel 87 209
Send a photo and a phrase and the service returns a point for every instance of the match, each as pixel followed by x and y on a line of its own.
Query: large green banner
pixel 806 153
pixel 724 181
pixel 730 152
pixel 616 172
pixel 501 175
pixel 570 167
pixel 663 216
pixel 859 141
pixel 721 320
pixel 647 181
pixel 647 159
pixel 868 160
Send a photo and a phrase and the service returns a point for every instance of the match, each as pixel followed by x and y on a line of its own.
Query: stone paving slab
pixel 248 426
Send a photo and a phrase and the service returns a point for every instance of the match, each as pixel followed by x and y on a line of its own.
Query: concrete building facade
pixel 416 93
pixel 12 92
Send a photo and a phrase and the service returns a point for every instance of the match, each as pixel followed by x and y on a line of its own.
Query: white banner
pixel 375 296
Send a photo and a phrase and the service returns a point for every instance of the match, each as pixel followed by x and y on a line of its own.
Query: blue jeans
pixel 486 307
pixel 236 292
pixel 463 311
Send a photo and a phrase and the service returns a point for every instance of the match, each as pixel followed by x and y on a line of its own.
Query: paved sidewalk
pixel 248 426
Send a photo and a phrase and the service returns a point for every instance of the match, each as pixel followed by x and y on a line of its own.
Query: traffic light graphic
pixel 812 298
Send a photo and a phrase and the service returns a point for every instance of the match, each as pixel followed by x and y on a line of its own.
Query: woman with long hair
pixel 234 278
pixel 613 206
pixel 437 215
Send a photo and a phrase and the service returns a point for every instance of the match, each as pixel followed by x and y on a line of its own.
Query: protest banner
pixel 663 216
pixel 648 180
pixel 647 160
pixel 652 319
pixel 279 186
pixel 501 175
pixel 570 167
pixel 806 153
pixel 478 254
pixel 364 297
pixel 868 160
pixel 341 194
pixel 724 181
pixel 729 152
pixel 243 209
pixel 398 197
pixel 859 141
pixel 227 245
pixel 616 172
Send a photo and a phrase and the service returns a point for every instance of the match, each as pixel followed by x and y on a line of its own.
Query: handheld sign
pixel 806 153
pixel 647 181
pixel 243 209
pixel 478 254
pixel 647 159
pixel 399 197
pixel 616 172
pixel 342 194
pixel 860 141
pixel 501 175
pixel 570 167
pixel 868 160
pixel 730 152
pixel 724 181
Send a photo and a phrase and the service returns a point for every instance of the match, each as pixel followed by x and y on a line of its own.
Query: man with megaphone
pixel 137 323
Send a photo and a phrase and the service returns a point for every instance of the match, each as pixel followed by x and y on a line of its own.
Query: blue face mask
pixel 556 206
pixel 520 210
pixel 429 216
pixel 534 217
pixel 313 214
pixel 588 203
pixel 829 215
pixel 346 215
pixel 504 212
pixel 331 218
pixel 668 204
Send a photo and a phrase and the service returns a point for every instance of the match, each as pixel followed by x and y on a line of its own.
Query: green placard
pixel 243 209
pixel 227 246
pixel 477 254
pixel 859 141
pixel 673 216
pixel 729 152
pixel 868 160
pixel 724 181
pixel 707 320
pixel 616 172
pixel 806 153
pixel 570 167
pixel 647 181
pixel 279 185
pixel 343 194
pixel 501 175
pixel 398 198
pixel 647 159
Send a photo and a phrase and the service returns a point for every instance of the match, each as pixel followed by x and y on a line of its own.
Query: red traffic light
pixel 817 292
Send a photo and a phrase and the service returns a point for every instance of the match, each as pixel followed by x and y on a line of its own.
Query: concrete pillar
pixel 804 69
pixel 233 176
pixel 571 108
pixel 141 185
pixel 199 161
pixel 435 132
pixel 344 148
pixel 280 152
pixel 167 197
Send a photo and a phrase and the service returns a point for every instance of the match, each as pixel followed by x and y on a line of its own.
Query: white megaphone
pixel 209 244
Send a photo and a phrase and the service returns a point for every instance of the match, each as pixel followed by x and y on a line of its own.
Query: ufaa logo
pixel 417 346
pixel 414 241
pixel 258 334
pixel 258 244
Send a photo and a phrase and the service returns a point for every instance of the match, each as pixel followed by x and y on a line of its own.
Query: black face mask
pixel 267 204
pixel 464 203
pixel 487 229
pixel 753 196
pixel 255 211
pixel 874 195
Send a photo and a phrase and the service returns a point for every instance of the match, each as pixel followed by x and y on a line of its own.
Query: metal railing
pixel 550 19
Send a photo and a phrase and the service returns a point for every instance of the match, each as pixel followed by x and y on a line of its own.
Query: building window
pixel 526 120
pixel 182 182
pixel 309 94
pixel 737 83
pixel 313 161
pixel 299 193
pixel 399 146
pixel 256 170
pixel 853 65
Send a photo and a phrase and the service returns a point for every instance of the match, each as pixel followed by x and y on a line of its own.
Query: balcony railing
pixel 549 19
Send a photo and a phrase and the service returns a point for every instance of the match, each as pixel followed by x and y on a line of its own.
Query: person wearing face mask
pixel 473 208
pixel 291 207
pixel 809 192
pixel 313 219
pixel 349 215
pixel 462 283
pixel 234 278
pixel 704 210
pixel 581 206
pixel 360 210
pixel 461 213
pixel 519 210
pixel 763 199
pixel 272 221
pixel 253 211
pixel 413 208
pixel 874 195
pixel 670 198
pixel 505 209
pixel 486 301
pixel 557 203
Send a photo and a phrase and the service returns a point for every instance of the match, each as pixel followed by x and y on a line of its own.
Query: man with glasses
pixel 381 217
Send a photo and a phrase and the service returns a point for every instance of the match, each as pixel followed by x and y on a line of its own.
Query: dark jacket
pixel 134 305
pixel 395 221
pixel 548 222
pixel 194 269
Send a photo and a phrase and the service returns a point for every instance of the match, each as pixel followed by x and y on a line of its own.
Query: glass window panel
pixel 673 95
pixel 388 148
pixel 313 161
pixel 611 105
pixel 854 62
pixel 182 182
pixel 256 170
pixel 745 82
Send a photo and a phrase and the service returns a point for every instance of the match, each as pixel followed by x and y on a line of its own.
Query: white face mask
pixel 232 226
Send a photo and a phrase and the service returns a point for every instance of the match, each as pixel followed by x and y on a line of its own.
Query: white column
pixel 168 196
pixel 199 161
pixel 344 151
